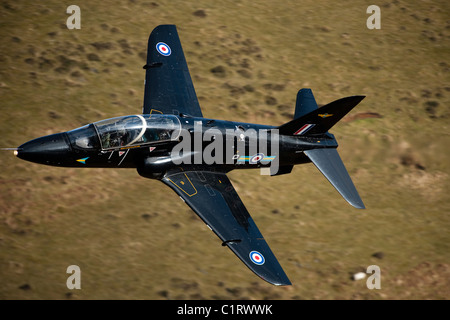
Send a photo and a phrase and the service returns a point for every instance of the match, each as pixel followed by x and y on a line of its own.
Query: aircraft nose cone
pixel 51 150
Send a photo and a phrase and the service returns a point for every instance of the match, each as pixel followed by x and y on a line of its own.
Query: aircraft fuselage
pixel 193 142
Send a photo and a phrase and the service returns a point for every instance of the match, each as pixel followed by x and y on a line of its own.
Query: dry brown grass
pixel 134 239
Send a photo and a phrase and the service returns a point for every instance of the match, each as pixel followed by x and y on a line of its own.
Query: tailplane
pixel 317 120
pixel 330 164
pixel 309 120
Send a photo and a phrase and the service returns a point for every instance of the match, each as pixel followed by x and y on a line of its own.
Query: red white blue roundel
pixel 257 258
pixel 163 48
pixel 256 158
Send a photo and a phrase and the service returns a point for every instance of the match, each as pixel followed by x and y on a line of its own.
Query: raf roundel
pixel 163 49
pixel 257 258
pixel 257 157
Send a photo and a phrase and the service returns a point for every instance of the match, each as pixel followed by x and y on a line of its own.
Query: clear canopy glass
pixel 137 130
pixel 84 138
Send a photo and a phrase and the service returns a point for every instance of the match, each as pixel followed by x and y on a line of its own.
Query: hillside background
pixel 133 238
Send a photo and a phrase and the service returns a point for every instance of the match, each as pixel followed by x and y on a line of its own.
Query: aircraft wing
pixel 212 197
pixel 168 84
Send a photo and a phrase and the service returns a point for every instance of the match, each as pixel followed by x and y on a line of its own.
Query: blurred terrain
pixel 134 239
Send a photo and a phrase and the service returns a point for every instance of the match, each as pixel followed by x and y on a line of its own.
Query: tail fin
pixel 332 167
pixel 318 120
pixel 305 103
pixel 312 120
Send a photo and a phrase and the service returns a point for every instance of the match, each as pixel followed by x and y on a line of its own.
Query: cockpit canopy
pixel 137 130
pixel 127 131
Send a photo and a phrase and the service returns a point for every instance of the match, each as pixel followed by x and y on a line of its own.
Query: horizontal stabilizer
pixel 320 120
pixel 332 167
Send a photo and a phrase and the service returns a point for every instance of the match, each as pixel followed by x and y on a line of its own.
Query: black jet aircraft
pixel 171 116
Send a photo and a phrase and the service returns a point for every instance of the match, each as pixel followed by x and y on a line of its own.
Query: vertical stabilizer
pixel 305 103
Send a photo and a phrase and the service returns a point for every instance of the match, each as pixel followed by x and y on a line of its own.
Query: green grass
pixel 134 239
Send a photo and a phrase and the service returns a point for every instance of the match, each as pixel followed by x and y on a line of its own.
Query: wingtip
pixel 358 205
pixel 282 284
pixel 277 280
pixel 355 200
pixel 279 283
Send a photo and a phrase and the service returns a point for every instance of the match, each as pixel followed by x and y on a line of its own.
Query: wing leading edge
pixel 168 84
pixel 212 197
